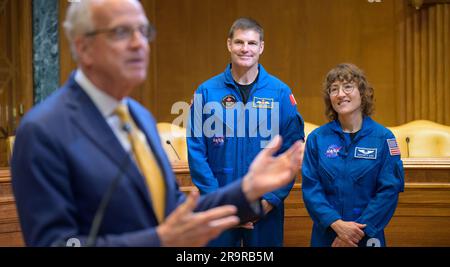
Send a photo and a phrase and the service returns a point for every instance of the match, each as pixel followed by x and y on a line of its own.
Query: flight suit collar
pixel 365 128
pixel 262 77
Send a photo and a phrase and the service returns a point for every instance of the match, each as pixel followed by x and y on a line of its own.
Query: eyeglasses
pixel 347 88
pixel 121 33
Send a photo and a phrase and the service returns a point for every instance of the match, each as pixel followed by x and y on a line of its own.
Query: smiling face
pixel 245 48
pixel 113 62
pixel 346 91
pixel 345 98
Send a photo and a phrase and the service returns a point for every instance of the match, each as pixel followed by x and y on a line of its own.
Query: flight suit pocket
pixel 365 183
pixel 326 179
pixel 324 173
pixel 368 175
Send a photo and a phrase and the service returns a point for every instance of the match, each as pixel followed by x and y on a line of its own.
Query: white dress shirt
pixel 106 104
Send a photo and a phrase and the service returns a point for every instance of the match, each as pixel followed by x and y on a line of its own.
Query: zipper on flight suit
pixel 344 181
pixel 241 143
pixel 349 180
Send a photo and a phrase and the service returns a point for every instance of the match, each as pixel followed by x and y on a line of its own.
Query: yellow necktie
pixel 146 162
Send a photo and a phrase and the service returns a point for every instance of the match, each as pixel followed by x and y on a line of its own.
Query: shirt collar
pixel 261 78
pixel 104 102
pixel 366 126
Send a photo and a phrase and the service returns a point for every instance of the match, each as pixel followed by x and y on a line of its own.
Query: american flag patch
pixel 292 98
pixel 394 150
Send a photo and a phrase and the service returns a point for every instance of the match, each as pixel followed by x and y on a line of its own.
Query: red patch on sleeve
pixel 292 98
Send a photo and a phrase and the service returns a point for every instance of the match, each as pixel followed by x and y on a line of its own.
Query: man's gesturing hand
pixel 268 173
pixel 185 228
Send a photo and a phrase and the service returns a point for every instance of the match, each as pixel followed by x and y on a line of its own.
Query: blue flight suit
pixel 355 180
pixel 218 159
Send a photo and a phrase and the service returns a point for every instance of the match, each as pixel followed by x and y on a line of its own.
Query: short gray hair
pixel 245 24
pixel 78 21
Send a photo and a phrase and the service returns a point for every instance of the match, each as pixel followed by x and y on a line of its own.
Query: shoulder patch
pixel 192 100
pixel 228 101
pixel 292 98
pixel 394 150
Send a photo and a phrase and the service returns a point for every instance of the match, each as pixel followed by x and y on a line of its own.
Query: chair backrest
pixel 177 137
pixel 309 127
pixel 422 139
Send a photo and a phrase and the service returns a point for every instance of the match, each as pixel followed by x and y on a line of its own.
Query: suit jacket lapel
pixel 88 118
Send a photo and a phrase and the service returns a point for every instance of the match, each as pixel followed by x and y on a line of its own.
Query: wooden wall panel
pixel 303 40
pixel 423 60
pixel 190 48
pixel 401 50
pixel 16 81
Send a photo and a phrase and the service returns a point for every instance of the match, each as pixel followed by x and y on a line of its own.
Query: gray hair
pixel 78 21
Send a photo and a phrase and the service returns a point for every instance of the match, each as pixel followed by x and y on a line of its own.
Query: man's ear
pixel 229 44
pixel 82 49
pixel 262 47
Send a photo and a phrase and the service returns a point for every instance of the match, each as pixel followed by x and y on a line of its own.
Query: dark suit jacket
pixel 65 157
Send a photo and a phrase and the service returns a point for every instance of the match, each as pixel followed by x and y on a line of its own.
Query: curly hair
pixel 347 72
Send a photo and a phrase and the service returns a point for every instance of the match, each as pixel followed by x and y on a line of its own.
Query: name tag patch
pixel 259 102
pixel 365 153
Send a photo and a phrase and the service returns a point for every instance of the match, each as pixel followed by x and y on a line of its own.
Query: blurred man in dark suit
pixel 89 135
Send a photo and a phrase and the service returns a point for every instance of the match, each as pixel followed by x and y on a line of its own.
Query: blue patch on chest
pixel 365 153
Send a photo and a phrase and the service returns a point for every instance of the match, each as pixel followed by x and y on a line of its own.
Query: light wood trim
pixel 428 163
pixel 5 175
pixel 182 167
pixel 438 186
pixel 408 163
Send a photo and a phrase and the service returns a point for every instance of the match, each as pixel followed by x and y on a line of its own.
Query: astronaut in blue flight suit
pixel 261 106
pixel 352 172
